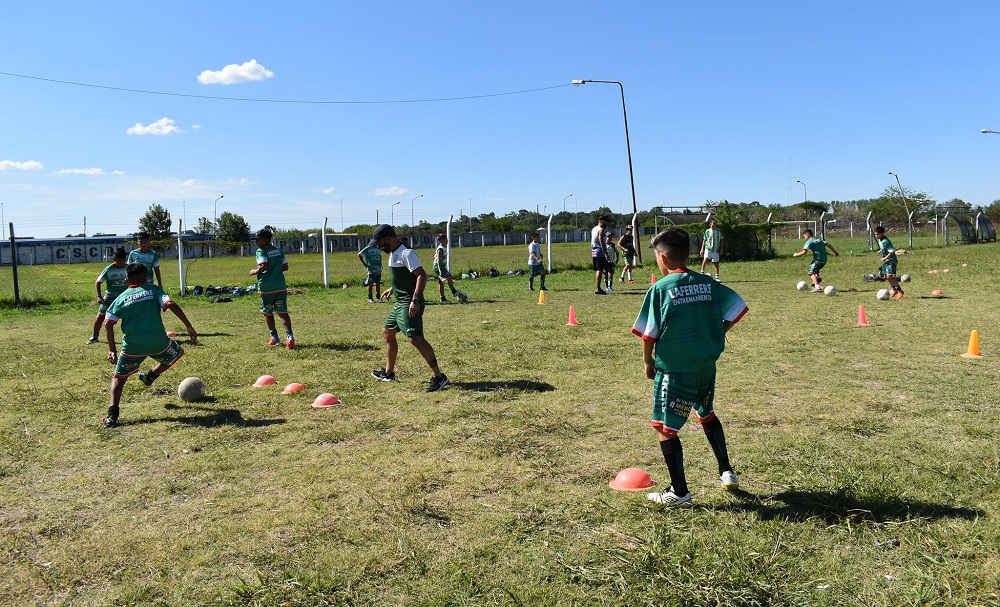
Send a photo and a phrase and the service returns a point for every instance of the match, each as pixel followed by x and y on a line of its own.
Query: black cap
pixel 381 232
pixel 603 218
pixel 263 233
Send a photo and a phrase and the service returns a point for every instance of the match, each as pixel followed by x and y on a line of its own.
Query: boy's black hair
pixel 880 229
pixel 136 273
pixel 808 231
pixel 141 235
pixel 120 253
pixel 535 235
pixel 675 243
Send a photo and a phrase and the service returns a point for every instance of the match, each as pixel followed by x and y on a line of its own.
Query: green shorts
pixel 442 274
pixel 373 279
pixel 630 257
pixel 675 394
pixel 128 364
pixel 889 267
pixel 107 304
pixel 399 319
pixel 815 267
pixel 536 269
pixel 274 302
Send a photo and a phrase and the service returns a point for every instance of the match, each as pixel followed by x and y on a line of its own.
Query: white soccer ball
pixel 830 290
pixel 882 294
pixel 904 278
pixel 802 286
pixel 191 390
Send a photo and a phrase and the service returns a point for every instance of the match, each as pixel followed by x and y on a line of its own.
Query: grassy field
pixel 868 457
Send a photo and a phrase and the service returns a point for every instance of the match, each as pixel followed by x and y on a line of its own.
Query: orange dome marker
pixel 264 380
pixel 326 400
pixel 293 388
pixel 632 479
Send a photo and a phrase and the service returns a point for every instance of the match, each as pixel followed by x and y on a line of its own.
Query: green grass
pixel 868 456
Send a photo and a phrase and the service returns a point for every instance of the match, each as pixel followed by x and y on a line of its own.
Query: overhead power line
pixel 292 101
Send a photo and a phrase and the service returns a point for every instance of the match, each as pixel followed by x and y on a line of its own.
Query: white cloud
pixel 92 171
pixel 117 172
pixel 391 191
pixel 163 126
pixel 328 190
pixel 21 166
pixel 235 74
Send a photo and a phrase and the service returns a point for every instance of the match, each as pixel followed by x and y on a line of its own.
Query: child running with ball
pixel 683 323
pixel 139 308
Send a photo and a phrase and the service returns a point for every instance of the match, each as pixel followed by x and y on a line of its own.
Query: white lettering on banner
pixel 684 291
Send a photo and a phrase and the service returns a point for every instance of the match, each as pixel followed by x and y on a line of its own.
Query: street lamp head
pixel 578 82
pixel 891 173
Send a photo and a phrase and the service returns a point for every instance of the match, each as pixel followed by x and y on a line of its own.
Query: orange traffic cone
pixel 541 298
pixel 862 318
pixel 572 318
pixel 652 278
pixel 973 346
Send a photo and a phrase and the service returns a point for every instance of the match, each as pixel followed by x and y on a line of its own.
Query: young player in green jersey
pixel 114 274
pixel 889 259
pixel 711 247
pixel 371 259
pixel 270 273
pixel 139 309
pixel 441 267
pixel 535 265
pixel 408 282
pixel 147 257
pixel 627 245
pixel 818 248
pixel 683 323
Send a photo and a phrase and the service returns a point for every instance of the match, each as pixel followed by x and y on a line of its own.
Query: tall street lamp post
pixel 909 217
pixel 413 232
pixel 628 148
pixel 805 194
pixel 392 213
pixel 215 220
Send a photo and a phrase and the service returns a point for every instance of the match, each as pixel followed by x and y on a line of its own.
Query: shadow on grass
pixel 342 347
pixel 521 385
pixel 836 506
pixel 208 417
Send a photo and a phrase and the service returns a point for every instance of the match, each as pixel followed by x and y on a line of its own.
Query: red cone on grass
pixel 264 380
pixel 325 400
pixel 572 318
pixel 862 317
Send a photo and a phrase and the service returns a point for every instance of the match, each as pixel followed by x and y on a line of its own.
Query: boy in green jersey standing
pixel 270 273
pixel 147 257
pixel 139 309
pixel 888 254
pixel 711 247
pixel 117 280
pixel 408 282
pixel 683 323
pixel 371 259
pixel 818 248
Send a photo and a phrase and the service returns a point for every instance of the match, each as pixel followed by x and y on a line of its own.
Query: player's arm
pixel 647 357
pixel 622 246
pixel 284 267
pixel 192 334
pixel 361 258
pixel 418 290
pixel 100 293
pixel 159 279
pixel 800 253
pixel 830 246
pixel 261 266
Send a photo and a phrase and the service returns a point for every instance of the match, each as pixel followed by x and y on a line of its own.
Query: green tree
pixel 233 230
pixel 993 211
pixel 156 222
pixel 204 226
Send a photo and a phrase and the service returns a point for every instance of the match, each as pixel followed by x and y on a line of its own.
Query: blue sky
pixel 470 105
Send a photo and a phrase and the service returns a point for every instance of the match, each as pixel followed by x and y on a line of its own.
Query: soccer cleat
pixel 542 288
pixel 274 341
pixel 608 288
pixel 290 344
pixel 669 498
pixel 729 480
pixel 370 300
pixel 444 300
pixel 899 294
pixel 817 289
pixel 145 379
pixel 438 382
pixel 92 340
pixel 631 282
pixel 110 421
pixel 381 375
pixel 600 292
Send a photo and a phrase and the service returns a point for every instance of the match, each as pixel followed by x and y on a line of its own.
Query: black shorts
pixel 600 262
